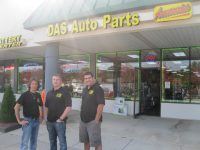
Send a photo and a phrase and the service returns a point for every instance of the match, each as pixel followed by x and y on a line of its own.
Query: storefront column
pixel 51 63
pixel 15 77
pixel 93 64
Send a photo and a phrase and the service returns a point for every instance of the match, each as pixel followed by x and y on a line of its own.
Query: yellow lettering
pixel 63 28
pixel 115 22
pixel 135 19
pixel 13 39
pixel 56 30
pixel 9 40
pixel 18 37
pixel 121 22
pixel 18 44
pixel 81 26
pixel 50 30
pixel 128 19
pixel 87 25
pixel 106 20
pixel 93 25
pixel 75 27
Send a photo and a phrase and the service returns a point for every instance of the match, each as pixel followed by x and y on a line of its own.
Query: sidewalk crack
pixel 131 140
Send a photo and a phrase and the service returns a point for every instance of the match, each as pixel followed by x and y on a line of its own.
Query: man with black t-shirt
pixel 57 106
pixel 32 110
pixel 91 113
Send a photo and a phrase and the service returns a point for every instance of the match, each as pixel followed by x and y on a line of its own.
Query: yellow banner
pixel 12 41
pixel 173 12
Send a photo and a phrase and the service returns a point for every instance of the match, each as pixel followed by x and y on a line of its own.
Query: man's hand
pixel 41 119
pixel 59 120
pixel 23 122
pixel 97 121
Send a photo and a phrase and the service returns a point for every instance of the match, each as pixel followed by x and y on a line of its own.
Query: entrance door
pixel 150 82
pixel 150 92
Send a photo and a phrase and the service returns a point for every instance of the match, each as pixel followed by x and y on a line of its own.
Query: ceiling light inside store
pixel 198 75
pixel 169 70
pixel 179 54
pixel 99 61
pixel 183 67
pixel 133 56
pixel 195 72
pixel 151 63
pixel 185 70
pixel 174 72
pixel 177 62
pixel 66 60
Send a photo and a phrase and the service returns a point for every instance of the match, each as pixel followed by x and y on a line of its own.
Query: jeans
pixel 30 132
pixel 57 129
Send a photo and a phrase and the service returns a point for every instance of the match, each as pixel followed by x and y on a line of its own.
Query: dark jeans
pixel 57 129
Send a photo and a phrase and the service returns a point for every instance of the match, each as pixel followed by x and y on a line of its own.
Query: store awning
pixel 53 11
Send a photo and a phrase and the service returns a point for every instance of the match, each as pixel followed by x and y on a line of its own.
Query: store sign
pixel 173 12
pixel 107 21
pixel 12 41
pixel 9 67
pixel 150 57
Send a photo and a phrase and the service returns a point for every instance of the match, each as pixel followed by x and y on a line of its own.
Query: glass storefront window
pixel 176 75
pixel 116 72
pixel 1 78
pixel 9 75
pixel 72 69
pixel 129 74
pixel 105 73
pixel 27 69
pixel 7 69
pixel 195 75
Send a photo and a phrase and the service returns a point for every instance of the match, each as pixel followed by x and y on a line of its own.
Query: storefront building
pixel 146 52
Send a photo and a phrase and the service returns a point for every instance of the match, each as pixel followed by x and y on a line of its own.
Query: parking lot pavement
pixel 123 133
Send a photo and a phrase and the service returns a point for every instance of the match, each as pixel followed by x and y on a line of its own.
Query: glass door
pixel 150 82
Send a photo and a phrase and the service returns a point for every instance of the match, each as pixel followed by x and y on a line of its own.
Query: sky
pixel 14 13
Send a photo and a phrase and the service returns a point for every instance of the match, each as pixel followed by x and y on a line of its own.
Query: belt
pixel 33 118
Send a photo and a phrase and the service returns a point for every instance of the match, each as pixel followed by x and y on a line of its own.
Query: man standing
pixel 32 110
pixel 91 113
pixel 57 106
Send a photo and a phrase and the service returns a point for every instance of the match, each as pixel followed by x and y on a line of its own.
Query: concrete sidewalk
pixel 123 133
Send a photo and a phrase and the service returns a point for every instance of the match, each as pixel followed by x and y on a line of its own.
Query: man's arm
pixel 45 113
pixel 17 115
pixel 41 113
pixel 68 107
pixel 99 112
pixel 65 113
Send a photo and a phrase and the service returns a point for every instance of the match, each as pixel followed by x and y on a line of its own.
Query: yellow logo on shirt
pixel 91 92
pixel 38 100
pixel 59 95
